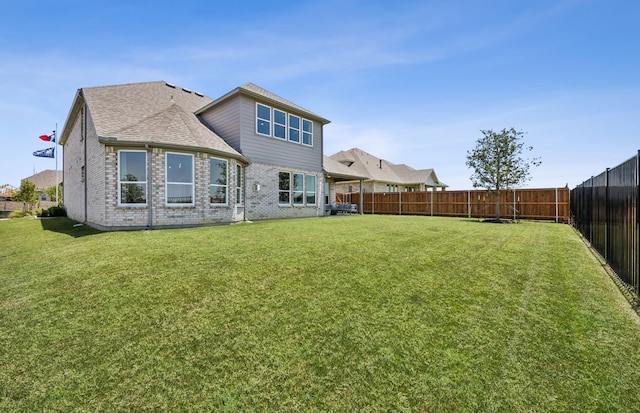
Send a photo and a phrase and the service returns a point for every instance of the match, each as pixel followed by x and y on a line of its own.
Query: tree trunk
pixel 497 206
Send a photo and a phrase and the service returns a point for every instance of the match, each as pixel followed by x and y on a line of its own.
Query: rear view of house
pixel 150 155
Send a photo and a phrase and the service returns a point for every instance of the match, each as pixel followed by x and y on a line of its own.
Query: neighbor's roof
pixel 339 171
pixel 6 190
pixel 378 169
pixel 156 113
pixel 45 179
pixel 259 93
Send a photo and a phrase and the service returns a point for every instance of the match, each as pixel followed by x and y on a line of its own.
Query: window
pixel 279 124
pixel 286 126
pixel 294 128
pixel 218 181
pixel 284 188
pixel 298 189
pixel 179 179
pixel 311 190
pixel 263 119
pixel 132 177
pixel 307 132
pixel 239 181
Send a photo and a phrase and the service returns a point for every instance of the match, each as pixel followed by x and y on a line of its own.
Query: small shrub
pixel 42 212
pixel 57 211
pixel 19 214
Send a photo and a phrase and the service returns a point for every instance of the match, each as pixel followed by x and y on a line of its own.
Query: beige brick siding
pixel 72 172
pixel 263 203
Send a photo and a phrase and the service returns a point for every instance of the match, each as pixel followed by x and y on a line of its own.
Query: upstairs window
pixel 132 177
pixel 263 119
pixel 179 179
pixel 279 124
pixel 282 125
pixel 294 128
pixel 307 132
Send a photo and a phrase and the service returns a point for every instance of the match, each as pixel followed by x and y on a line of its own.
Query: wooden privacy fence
pixel 536 204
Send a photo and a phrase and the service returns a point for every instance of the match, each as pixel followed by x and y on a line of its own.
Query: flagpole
pixel 55 134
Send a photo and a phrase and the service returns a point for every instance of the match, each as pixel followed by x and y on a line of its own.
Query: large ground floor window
pixel 132 178
pixel 179 173
pixel 296 189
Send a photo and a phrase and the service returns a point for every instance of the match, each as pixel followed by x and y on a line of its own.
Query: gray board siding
pixel 235 121
pixel 275 151
pixel 225 121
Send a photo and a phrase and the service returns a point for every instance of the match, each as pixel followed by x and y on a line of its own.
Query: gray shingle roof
pixel 258 92
pixel 335 169
pixel 45 179
pixel 151 112
pixel 378 169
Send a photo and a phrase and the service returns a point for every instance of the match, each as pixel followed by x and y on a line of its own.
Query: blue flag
pixel 45 153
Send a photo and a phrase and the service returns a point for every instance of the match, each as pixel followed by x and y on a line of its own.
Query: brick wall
pixel 263 203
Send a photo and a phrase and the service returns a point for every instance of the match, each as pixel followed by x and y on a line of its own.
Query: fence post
pixel 556 205
pixel 469 203
pixel 373 197
pixel 432 189
pixel 636 252
pixel 607 219
pixel 514 204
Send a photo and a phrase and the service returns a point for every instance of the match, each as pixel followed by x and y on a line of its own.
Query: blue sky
pixel 410 81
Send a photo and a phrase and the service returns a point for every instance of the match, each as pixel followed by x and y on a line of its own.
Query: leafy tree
pixel 51 193
pixel 498 164
pixel 27 193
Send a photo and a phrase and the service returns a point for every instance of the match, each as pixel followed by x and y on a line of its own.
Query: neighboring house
pixel 382 175
pixel 44 180
pixel 6 192
pixel 155 155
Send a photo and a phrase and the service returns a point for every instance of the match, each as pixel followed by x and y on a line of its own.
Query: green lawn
pixel 353 313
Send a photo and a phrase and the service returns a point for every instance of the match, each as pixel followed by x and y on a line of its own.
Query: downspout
pixel 149 186
pixel 361 197
pixel 245 204
pixel 84 160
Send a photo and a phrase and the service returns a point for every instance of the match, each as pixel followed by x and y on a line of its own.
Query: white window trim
pixel 303 132
pixel 226 187
pixel 299 128
pixel 270 134
pixel 239 189
pixel 307 191
pixel 291 191
pixel 287 125
pixel 119 189
pixel 167 183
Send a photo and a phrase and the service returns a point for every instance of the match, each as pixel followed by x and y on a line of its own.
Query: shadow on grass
pixel 68 227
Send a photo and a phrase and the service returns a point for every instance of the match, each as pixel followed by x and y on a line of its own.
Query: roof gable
pixel 150 112
pixel 258 93
pixel 173 126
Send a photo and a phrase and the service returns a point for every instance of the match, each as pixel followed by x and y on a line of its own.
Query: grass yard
pixel 355 313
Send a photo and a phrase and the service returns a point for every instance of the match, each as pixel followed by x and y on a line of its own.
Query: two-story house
pixel 150 155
